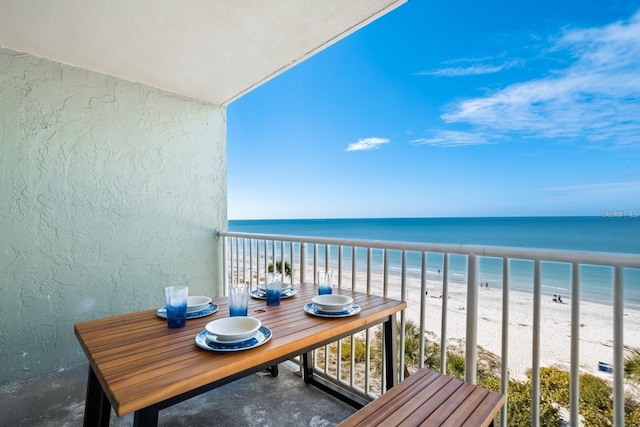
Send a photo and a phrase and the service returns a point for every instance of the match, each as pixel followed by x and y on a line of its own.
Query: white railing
pixel 248 256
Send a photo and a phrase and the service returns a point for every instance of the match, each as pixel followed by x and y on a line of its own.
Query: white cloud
pixel 596 98
pixel 450 138
pixel 475 69
pixel 367 144
pixel 604 188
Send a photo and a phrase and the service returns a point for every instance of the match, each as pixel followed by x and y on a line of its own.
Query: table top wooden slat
pixel 427 398
pixel 140 362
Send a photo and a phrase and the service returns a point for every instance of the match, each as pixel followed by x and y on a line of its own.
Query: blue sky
pixel 450 109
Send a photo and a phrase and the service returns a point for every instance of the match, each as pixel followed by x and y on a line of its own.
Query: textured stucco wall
pixel 111 191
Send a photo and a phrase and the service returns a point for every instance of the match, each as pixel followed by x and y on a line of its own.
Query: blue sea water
pixel 594 234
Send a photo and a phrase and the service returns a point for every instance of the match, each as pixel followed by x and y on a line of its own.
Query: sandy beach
pixel 596 321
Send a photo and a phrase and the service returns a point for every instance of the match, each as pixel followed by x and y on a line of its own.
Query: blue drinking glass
pixel 324 282
pixel 176 301
pixel 238 299
pixel 273 288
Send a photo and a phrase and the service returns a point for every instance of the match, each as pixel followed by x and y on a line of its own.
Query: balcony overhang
pixel 214 51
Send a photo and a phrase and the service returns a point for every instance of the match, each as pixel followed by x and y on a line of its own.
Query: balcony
pixel 445 303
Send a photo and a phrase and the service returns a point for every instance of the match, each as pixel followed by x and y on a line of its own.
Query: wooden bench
pixel 428 398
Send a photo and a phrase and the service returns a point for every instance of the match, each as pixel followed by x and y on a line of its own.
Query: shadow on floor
pixel 258 400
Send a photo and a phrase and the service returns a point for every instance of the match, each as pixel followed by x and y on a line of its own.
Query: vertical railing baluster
pixel 445 310
pixel 237 261
pixel 535 369
pixel 283 271
pixel 369 261
pixel 262 259
pixel 353 268
pixel 303 262
pixel 244 259
pixel 504 368
pixel 471 344
pixel 292 260
pixel 367 361
pixel 574 365
pixel 340 261
pixel 258 258
pixel 385 286
pixel 423 307
pixel 315 261
pixel 385 273
pixel 225 264
pixel 250 263
pixel 274 255
pixel 403 320
pixel 618 346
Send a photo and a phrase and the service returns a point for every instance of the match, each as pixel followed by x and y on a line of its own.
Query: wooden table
pixel 139 365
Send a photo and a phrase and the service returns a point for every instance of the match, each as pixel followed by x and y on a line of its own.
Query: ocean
pixel 615 234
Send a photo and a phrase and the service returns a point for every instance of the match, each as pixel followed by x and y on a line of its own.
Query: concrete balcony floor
pixel 257 400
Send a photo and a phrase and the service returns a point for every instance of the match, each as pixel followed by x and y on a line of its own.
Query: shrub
pixel 595 401
pixel 519 407
pixel 596 406
pixel 455 365
pixel 554 385
pixel 632 413
pixel 632 365
pixel 287 268
pixel 360 352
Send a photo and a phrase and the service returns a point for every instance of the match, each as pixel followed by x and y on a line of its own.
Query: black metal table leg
pixel 390 351
pixel 307 367
pixel 147 417
pixel 273 370
pixel 97 408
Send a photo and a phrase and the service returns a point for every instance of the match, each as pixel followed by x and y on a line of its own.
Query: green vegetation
pixel 360 351
pixel 632 365
pixel 596 406
pixel 287 268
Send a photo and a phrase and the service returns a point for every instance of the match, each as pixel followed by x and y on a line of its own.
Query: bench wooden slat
pixel 465 407
pixel 427 398
pixel 487 410
pixel 424 403
pixel 391 400
pixel 443 411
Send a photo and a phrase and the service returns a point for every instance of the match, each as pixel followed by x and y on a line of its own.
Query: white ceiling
pixel 211 50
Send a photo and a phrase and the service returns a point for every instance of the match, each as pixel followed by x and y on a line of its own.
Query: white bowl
pixel 197 303
pixel 332 302
pixel 283 287
pixel 234 328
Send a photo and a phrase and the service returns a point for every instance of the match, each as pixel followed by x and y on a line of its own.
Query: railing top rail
pixel 580 257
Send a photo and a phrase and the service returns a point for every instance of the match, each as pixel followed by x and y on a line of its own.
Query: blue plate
pixel 213 307
pixel 256 293
pixel 312 309
pixel 262 336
